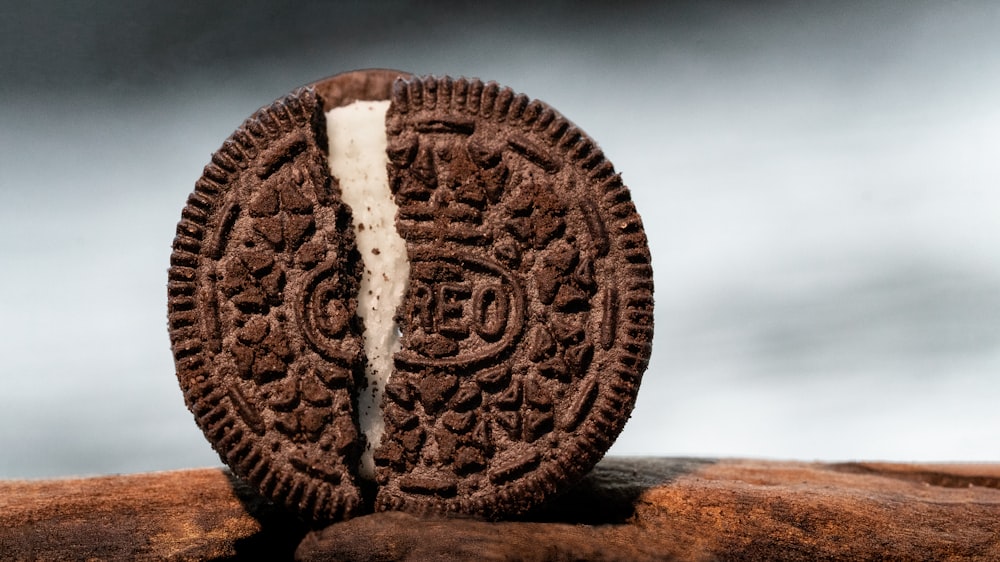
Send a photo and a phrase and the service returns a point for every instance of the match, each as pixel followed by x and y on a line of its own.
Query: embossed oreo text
pixel 462 310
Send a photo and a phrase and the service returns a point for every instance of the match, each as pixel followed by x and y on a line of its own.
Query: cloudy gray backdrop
pixel 819 182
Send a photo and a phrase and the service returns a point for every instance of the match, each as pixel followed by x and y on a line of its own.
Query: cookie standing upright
pixel 524 328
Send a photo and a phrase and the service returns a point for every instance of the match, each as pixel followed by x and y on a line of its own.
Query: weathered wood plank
pixel 181 515
pixel 627 509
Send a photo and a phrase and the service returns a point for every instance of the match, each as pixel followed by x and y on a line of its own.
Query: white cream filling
pixel 358 160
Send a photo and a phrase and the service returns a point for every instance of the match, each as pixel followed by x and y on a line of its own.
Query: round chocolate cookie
pixel 424 294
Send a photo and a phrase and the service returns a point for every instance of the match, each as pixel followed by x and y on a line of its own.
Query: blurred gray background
pixel 818 182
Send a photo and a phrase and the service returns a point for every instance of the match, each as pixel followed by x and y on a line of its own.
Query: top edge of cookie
pixel 370 84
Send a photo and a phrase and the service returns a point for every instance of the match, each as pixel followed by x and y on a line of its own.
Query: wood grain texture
pixel 626 509
pixel 182 515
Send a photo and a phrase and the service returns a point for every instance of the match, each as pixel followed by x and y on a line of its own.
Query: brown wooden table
pixel 626 509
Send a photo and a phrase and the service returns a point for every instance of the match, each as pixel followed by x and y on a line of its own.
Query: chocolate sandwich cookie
pixel 425 294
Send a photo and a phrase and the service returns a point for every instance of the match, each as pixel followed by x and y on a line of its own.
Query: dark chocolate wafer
pixel 529 315
pixel 262 299
pixel 525 327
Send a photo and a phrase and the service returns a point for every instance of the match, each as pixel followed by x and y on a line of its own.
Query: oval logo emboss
pixel 460 311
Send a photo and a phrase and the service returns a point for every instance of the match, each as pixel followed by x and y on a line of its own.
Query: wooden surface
pixel 626 509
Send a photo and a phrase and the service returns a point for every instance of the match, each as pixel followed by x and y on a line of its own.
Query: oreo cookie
pixel 410 293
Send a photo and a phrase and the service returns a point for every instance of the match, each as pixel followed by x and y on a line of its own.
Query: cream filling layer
pixel 358 160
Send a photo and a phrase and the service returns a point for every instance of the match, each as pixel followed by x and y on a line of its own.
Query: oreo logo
pixel 459 311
